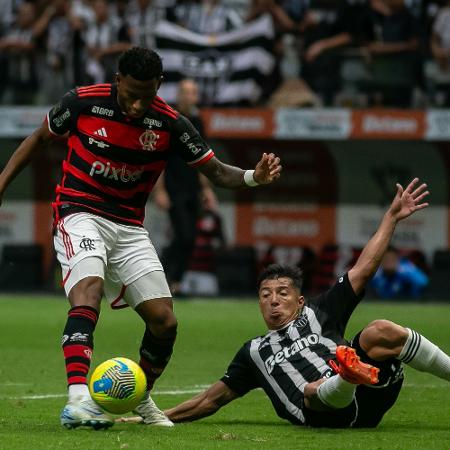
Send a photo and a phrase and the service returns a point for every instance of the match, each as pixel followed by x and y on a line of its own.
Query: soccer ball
pixel 118 385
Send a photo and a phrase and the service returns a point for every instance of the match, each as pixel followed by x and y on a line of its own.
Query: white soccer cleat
pixel 83 411
pixel 151 414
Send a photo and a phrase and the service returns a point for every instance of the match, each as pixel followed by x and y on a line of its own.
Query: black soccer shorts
pixel 371 402
pixel 375 400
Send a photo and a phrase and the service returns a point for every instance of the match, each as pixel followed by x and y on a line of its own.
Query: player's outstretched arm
pixel 21 157
pixel 202 405
pixel 406 202
pixel 266 171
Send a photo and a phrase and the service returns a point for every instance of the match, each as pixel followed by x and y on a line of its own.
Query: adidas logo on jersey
pixel 101 132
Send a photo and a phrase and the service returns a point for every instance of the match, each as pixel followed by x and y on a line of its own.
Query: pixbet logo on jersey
pixel 115 173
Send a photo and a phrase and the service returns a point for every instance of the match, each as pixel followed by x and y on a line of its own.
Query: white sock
pixel 421 354
pixel 78 390
pixel 336 393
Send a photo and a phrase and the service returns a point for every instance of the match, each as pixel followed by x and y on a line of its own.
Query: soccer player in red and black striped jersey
pixel 119 138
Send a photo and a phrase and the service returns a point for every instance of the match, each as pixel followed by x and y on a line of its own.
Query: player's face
pixel 134 96
pixel 280 302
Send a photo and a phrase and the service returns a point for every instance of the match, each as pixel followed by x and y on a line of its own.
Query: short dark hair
pixel 275 271
pixel 141 64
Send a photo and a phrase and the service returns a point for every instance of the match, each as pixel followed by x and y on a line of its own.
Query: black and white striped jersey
pixel 283 361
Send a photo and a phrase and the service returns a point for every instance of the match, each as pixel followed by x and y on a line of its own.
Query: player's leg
pixel 374 401
pixel 382 340
pixel 78 336
pixel 83 272
pixel 149 296
pixel 359 397
pixel 385 345
pixel 136 264
pixel 158 340
pixel 159 337
pixel 338 391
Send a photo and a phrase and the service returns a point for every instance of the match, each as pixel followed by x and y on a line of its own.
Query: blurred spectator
pixel 324 30
pixel 295 9
pixel 201 277
pixel 284 47
pixel 81 15
pixel 142 17
pixel 392 34
pixel 205 16
pixel 440 47
pixel 8 9
pixel 398 277
pixel 241 7
pixel 17 46
pixel 105 40
pixel 57 63
pixel 179 191
pixel 281 19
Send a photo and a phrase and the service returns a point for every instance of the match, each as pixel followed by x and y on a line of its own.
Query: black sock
pixel 155 354
pixel 78 343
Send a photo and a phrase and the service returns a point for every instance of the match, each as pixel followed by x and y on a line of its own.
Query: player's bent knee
pixel 159 316
pixel 166 324
pixel 382 338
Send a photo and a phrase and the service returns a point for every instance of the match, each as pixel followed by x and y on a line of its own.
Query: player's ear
pixel 301 301
pixel 161 78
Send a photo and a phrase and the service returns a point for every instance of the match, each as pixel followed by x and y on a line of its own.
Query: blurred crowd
pixel 339 52
pixel 402 273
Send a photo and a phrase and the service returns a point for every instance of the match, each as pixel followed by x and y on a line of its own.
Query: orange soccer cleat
pixel 351 369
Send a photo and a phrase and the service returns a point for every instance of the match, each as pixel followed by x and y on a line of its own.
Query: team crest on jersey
pixel 148 140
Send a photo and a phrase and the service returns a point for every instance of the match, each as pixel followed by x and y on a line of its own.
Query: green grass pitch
pixel 32 382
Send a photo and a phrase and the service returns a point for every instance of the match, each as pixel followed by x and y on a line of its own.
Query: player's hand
pixel 408 201
pixel 268 169
pixel 129 419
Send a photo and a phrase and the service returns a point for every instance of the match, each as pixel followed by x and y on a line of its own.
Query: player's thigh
pixel 149 296
pixel 81 242
pixel 84 285
pixel 133 255
pixel 150 287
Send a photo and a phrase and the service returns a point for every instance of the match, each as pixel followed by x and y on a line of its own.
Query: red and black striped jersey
pixel 113 161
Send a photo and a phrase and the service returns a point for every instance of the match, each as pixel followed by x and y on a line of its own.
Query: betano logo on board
pixel 256 123
pixel 388 124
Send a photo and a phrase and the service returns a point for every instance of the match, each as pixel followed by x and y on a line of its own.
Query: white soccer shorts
pixel 123 255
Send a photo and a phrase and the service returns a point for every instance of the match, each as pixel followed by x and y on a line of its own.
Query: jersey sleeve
pixel 239 376
pixel 336 305
pixel 61 117
pixel 188 143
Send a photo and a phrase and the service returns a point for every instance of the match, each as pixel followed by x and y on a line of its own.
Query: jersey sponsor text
pixel 286 352
pixel 115 173
pixel 102 111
